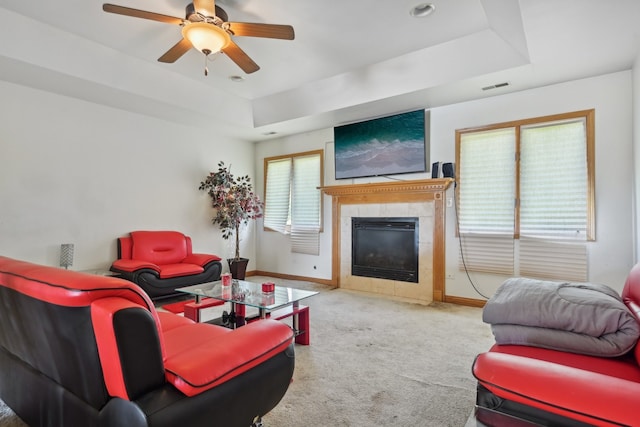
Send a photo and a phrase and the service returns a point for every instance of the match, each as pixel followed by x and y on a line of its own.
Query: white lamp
pixel 66 255
pixel 207 38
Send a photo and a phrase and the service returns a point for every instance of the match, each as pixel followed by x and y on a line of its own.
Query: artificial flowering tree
pixel 234 204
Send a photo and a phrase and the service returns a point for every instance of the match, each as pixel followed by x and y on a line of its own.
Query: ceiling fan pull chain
pixel 206 56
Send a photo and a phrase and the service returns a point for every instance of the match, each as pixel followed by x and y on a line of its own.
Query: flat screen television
pixel 384 146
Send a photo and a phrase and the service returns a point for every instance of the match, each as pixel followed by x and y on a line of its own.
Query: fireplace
pixel 423 199
pixel 385 248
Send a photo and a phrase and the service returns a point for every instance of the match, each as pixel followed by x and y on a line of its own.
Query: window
pixel 526 196
pixel 293 202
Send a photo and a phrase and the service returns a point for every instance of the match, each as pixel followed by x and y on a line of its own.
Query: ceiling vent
pixel 495 86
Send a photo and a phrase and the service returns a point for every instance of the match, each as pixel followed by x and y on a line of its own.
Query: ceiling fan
pixel 206 27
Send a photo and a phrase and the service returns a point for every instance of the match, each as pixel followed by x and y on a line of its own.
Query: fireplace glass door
pixel 385 248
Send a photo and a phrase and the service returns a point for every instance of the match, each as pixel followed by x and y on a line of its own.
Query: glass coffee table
pixel 280 304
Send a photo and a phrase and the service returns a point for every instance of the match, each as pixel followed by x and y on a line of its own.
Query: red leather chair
pixel 161 261
pixel 542 386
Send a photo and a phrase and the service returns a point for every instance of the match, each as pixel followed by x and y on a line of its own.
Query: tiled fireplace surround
pixel 423 199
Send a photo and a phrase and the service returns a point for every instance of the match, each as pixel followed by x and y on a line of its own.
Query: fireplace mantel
pixel 428 190
pixel 401 188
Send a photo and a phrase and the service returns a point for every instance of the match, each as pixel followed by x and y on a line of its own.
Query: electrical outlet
pixel 451 276
pixel 449 202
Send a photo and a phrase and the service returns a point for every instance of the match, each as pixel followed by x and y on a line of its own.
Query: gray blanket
pixel 581 318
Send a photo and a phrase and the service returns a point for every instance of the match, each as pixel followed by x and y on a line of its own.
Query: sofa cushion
pixel 159 247
pixel 132 265
pixel 170 321
pixel 201 356
pixel 178 270
pixel 623 367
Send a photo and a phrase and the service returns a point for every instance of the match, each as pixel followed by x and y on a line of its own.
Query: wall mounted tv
pixel 384 146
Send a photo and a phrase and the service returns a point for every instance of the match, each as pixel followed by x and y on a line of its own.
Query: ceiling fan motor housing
pixel 193 16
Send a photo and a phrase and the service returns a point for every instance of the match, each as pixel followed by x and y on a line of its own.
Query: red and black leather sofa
pixel 85 350
pixel 162 261
pixel 542 384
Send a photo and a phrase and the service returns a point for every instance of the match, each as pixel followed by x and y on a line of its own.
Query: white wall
pixel 274 249
pixel 282 260
pixel 610 257
pixel 76 172
pixel 636 155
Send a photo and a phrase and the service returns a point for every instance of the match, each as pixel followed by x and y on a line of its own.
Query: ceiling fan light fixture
pixel 422 10
pixel 206 37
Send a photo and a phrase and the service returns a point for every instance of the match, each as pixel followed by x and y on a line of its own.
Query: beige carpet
pixel 377 362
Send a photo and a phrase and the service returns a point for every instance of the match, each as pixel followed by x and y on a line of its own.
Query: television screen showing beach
pixel 385 146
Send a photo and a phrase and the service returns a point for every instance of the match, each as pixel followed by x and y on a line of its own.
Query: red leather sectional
pixel 557 388
pixel 84 350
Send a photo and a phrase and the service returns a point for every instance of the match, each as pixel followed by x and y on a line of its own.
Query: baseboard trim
pixel 290 277
pixel 470 302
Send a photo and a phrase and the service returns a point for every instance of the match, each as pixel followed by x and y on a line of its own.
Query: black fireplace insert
pixel 385 248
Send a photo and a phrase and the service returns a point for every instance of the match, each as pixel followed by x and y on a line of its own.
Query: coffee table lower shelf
pixel 298 313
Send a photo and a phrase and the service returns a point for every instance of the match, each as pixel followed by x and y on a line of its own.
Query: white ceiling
pixel 351 59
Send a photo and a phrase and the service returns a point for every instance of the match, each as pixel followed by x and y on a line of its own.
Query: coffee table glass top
pixel 248 293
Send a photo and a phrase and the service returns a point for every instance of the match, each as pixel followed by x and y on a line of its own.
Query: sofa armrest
pixel 201 259
pixel 131 265
pixel 565 390
pixel 199 358
pixel 122 328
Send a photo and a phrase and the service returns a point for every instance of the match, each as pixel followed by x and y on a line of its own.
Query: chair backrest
pixel 50 320
pixel 631 291
pixel 631 297
pixel 156 247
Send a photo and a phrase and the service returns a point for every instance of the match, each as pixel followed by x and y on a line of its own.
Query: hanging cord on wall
pixel 391 178
pixel 464 264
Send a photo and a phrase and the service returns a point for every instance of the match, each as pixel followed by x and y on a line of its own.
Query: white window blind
pixel 486 204
pixel 487 253
pixel 543 165
pixel 553 181
pixel 553 259
pixel 293 199
pixel 277 194
pixel 305 205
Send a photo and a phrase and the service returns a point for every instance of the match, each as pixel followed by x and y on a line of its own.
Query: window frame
pixel 587 115
pixel 320 154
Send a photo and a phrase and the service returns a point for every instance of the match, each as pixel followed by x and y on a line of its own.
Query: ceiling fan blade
pixel 136 13
pixel 271 31
pixel 179 49
pixel 205 7
pixel 238 56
